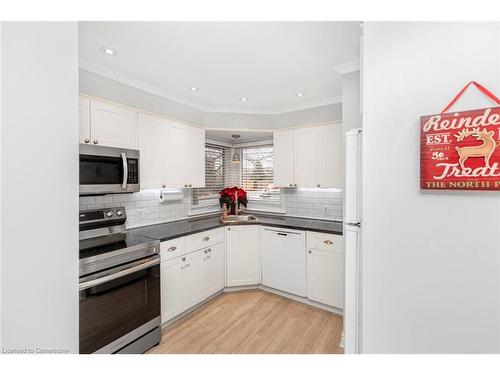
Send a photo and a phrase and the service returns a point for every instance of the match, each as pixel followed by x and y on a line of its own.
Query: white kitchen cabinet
pixel 242 255
pixel 283 158
pixel 171 288
pixel 192 273
pixel 84 119
pixel 152 138
pixel 330 156
pixel 195 157
pixel 309 157
pixel 305 157
pixel 325 269
pixel 112 125
pixel 174 164
pixel 213 269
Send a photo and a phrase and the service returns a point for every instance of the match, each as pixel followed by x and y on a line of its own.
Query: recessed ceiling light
pixel 300 93
pixel 194 88
pixel 108 51
pixel 243 99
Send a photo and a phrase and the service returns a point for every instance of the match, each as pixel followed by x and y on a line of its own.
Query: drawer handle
pixel 206 238
pixel 172 248
pixel 328 242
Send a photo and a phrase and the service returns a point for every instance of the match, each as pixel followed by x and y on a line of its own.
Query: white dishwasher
pixel 284 260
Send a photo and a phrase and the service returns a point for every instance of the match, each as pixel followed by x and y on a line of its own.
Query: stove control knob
pixel 109 213
pixel 119 213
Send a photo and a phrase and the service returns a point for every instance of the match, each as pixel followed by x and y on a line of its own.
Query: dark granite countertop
pixel 179 228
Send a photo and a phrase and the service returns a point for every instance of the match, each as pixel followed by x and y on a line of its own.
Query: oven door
pixel 119 305
pixel 105 170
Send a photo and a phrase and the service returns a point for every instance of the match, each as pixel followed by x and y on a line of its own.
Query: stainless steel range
pixel 119 285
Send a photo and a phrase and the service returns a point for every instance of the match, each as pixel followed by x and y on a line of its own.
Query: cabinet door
pixel 151 141
pixel 192 279
pixel 84 119
pixel 214 269
pixel 171 289
pixel 330 159
pixel 195 157
pixel 242 255
pixel 305 157
pixel 174 166
pixel 283 158
pixel 113 125
pixel 325 277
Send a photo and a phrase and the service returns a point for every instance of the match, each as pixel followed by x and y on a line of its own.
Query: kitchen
pixel 195 187
pixel 279 234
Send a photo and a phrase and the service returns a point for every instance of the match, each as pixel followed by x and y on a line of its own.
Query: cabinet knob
pixel 228 228
pixel 190 185
pixel 309 251
pixel 163 186
pixel 87 140
pixel 295 185
pixel 185 185
pixel 291 184
pixel 209 250
pixel 183 259
pixel 318 185
pixel 96 141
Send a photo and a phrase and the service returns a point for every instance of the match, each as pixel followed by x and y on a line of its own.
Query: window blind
pixel 216 166
pixel 257 174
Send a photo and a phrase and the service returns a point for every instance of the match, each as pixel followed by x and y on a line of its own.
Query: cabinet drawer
pixel 326 242
pixel 203 239
pixel 172 248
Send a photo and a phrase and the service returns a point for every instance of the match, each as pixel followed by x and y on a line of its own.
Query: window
pixel 257 175
pixel 216 172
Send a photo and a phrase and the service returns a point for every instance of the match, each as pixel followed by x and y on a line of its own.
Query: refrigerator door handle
pixel 358 224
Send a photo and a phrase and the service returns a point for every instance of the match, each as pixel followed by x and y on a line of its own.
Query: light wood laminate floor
pixel 253 322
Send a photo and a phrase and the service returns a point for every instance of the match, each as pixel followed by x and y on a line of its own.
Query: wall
pixel 142 208
pixel 97 85
pixel 351 112
pixel 39 156
pixel 314 203
pixel 431 260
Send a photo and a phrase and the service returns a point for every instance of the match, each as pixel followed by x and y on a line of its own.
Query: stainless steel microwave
pixel 108 170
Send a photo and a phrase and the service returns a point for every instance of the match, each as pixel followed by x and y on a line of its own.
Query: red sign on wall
pixel 461 150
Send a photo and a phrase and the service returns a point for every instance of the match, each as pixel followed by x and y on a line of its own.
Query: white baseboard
pixel 230 289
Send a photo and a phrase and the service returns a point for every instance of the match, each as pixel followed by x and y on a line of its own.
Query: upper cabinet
pixel 309 157
pixel 106 124
pixel 113 125
pixel 172 154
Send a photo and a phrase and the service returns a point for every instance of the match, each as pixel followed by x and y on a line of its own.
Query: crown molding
pixel 146 87
pixel 348 67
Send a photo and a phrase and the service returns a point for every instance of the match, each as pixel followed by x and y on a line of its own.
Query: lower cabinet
pixel 188 279
pixel 325 269
pixel 242 255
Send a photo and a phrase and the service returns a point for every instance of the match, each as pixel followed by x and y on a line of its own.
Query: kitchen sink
pixel 236 219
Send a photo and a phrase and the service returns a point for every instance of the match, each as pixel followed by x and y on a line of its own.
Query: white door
pixel 84 113
pixel 242 255
pixel 171 289
pixel 213 269
pixel 152 142
pixel 174 166
pixel 192 279
pixel 305 157
pixel 330 156
pixel 283 158
pixel 113 125
pixel 195 157
pixel 325 277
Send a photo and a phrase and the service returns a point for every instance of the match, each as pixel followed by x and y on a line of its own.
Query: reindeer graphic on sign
pixel 484 150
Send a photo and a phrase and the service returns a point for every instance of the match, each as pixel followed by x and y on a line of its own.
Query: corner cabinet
pixel 242 255
pixel 309 157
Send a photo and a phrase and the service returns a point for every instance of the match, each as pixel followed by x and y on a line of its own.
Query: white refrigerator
pixel 352 240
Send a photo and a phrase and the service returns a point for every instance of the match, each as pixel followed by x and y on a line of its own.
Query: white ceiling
pixel 245 136
pixel 266 62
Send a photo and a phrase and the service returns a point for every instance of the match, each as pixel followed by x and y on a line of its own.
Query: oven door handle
pixel 117 275
pixel 125 170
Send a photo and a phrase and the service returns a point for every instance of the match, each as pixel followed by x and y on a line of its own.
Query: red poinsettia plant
pixel 230 196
